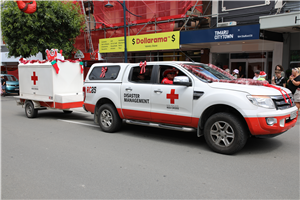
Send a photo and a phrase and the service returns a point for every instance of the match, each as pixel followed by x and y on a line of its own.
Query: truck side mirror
pixel 182 80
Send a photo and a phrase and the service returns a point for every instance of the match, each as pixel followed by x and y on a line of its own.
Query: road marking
pixel 78 123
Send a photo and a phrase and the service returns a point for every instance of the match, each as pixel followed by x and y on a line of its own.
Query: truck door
pixel 171 104
pixel 135 93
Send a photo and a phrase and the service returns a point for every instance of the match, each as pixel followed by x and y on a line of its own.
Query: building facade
pixel 287 23
pixel 229 34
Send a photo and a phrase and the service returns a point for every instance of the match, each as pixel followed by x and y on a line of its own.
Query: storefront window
pixel 295 58
pixel 248 55
pixel 221 60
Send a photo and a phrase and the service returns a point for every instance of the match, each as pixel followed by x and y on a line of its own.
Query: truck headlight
pixel 262 101
pixel 8 85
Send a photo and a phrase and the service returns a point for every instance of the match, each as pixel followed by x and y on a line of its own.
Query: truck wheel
pixel 224 133
pixel 67 111
pixel 109 119
pixel 30 111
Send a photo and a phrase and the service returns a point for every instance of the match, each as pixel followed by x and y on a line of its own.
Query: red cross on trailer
pixel 34 78
pixel 172 96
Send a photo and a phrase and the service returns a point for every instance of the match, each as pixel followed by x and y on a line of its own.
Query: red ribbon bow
pixel 103 70
pixel 281 91
pixel 143 67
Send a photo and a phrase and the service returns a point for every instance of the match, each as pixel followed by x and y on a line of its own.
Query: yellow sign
pixel 149 42
pixel 111 45
pixel 157 41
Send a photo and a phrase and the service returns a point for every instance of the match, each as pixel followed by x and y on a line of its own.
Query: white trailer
pixel 42 86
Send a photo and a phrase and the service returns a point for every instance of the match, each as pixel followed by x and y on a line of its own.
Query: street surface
pixel 65 156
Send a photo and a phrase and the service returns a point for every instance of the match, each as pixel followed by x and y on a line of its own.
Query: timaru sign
pixel 233 33
pixel 223 34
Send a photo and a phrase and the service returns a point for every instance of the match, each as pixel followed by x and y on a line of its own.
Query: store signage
pixel 111 45
pixel 248 32
pixel 157 41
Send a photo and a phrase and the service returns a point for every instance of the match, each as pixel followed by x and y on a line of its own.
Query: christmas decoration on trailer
pixel 53 56
pixel 28 7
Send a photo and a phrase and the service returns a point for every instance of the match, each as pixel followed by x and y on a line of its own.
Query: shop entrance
pixel 248 66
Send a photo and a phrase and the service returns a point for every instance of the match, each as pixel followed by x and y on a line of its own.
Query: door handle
pixel 128 89
pixel 157 91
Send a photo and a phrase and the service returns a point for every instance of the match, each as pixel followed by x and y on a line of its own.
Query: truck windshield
pixel 208 72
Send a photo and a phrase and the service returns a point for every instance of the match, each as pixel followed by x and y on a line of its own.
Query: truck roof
pixel 148 63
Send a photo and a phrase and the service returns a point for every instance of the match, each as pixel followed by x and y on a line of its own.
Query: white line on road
pixel 78 123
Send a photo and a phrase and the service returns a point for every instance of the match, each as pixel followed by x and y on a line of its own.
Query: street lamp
pixel 108 5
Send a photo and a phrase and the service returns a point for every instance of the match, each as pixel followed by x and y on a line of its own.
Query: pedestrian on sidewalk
pixel 279 80
pixel 262 76
pixel 294 85
pixel 235 73
pixel 256 74
pixel 3 86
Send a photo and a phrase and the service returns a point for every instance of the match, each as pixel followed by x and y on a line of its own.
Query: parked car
pixel 12 83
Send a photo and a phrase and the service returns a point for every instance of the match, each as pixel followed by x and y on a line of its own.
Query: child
pixel 235 73
pixel 262 76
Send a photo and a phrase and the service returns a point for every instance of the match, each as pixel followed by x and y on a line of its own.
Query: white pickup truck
pixel 201 98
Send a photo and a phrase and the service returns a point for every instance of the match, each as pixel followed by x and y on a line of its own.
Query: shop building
pixel 147 18
pixel 262 52
pixel 286 23
pixel 205 29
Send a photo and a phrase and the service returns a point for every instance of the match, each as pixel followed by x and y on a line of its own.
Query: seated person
pixel 141 78
pixel 169 75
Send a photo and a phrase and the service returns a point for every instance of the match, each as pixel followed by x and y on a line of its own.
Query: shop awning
pixel 207 38
pixel 285 22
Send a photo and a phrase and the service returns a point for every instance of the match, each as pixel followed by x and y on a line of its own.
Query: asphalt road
pixel 65 156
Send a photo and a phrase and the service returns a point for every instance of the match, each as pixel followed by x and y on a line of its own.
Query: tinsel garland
pixel 53 62
pixel 22 60
pixel 242 81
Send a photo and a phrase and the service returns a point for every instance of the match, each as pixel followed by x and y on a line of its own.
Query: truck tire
pixel 29 110
pixel 225 133
pixel 109 119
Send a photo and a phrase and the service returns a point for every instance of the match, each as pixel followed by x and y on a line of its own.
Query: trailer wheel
pixel 30 111
pixel 67 111
pixel 224 133
pixel 109 119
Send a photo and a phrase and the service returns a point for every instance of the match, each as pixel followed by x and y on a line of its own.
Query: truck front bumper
pixel 284 120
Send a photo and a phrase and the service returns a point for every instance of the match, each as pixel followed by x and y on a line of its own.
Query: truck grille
pixel 280 103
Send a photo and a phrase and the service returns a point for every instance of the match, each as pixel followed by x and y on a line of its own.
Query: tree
pixel 55 24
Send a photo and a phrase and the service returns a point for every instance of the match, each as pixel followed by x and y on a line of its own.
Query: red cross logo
pixel 172 96
pixel 34 78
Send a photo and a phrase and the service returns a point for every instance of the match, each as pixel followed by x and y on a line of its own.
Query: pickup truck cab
pixel 202 98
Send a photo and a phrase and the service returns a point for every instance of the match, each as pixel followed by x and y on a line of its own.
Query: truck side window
pixel 136 76
pixel 164 70
pixel 111 73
